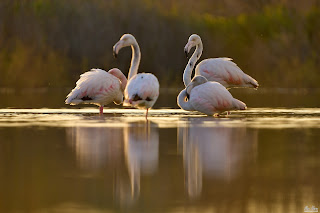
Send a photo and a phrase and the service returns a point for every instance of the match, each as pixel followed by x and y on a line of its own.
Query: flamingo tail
pixel 239 104
pixel 252 81
pixel 72 98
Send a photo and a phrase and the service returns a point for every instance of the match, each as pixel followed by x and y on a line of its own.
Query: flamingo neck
pixel 191 63
pixel 183 103
pixel 117 73
pixel 135 60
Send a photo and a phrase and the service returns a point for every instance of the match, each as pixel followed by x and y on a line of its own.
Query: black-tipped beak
pixel 115 54
pixel 186 52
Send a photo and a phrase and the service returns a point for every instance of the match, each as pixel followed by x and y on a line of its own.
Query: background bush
pixel 49 43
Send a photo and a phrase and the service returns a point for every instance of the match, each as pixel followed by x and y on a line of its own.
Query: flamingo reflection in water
pixel 135 146
pixel 214 152
pixel 96 147
pixel 141 148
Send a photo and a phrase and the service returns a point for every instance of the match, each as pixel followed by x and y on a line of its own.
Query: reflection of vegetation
pixel 44 42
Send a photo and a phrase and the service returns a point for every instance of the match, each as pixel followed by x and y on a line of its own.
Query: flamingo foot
pixel 101 110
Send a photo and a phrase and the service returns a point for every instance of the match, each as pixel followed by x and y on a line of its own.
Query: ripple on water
pixel 164 118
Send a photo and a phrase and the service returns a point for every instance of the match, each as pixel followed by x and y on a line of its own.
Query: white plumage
pixel 226 72
pixel 221 70
pixel 208 97
pixel 98 87
pixel 142 90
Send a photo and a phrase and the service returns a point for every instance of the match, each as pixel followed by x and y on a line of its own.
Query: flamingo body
pixel 211 98
pixel 222 70
pixel 142 91
pixel 208 97
pixel 226 72
pixel 98 87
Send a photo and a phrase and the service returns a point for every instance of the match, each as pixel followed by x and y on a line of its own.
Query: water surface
pixel 73 160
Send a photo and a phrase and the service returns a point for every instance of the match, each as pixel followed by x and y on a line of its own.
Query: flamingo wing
pixel 226 72
pixel 95 87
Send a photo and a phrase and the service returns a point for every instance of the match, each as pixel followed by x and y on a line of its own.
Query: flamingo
pixel 142 90
pixel 221 70
pixel 208 97
pixel 98 87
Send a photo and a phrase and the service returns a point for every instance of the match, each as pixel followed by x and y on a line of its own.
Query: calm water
pixel 265 159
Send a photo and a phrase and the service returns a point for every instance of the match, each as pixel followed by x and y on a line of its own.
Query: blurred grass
pixel 46 43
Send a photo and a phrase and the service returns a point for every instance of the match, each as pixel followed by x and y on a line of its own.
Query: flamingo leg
pixel 147 114
pixel 101 110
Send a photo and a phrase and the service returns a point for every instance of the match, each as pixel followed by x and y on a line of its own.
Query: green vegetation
pixel 51 42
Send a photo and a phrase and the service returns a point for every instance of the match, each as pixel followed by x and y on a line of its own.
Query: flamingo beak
pixel 115 52
pixel 130 101
pixel 186 51
pixel 117 47
pixel 188 47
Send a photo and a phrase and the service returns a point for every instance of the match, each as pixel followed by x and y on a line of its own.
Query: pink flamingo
pixel 98 87
pixel 221 70
pixel 208 97
pixel 142 90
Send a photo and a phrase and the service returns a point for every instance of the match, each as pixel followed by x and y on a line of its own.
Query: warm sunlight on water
pixel 73 160
pixel 164 118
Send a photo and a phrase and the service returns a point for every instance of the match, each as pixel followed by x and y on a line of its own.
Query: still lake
pixel 58 158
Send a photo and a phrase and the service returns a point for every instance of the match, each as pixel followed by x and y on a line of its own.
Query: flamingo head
pixel 133 100
pixel 196 81
pixel 137 101
pixel 193 40
pixel 125 41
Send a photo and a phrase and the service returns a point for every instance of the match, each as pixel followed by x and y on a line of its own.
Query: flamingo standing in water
pixel 221 70
pixel 142 90
pixel 208 97
pixel 98 87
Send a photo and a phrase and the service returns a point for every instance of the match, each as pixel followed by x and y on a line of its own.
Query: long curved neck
pixel 135 60
pixel 117 73
pixel 191 63
pixel 182 103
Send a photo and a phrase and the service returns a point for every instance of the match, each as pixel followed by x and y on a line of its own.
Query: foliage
pixel 51 42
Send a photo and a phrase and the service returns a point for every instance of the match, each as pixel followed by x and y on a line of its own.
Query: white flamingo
pixel 98 87
pixel 208 97
pixel 142 90
pixel 221 70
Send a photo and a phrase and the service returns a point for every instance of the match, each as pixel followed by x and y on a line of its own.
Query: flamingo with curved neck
pixel 129 40
pixel 221 70
pixel 192 61
pixel 210 98
pixel 183 101
pixel 142 90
